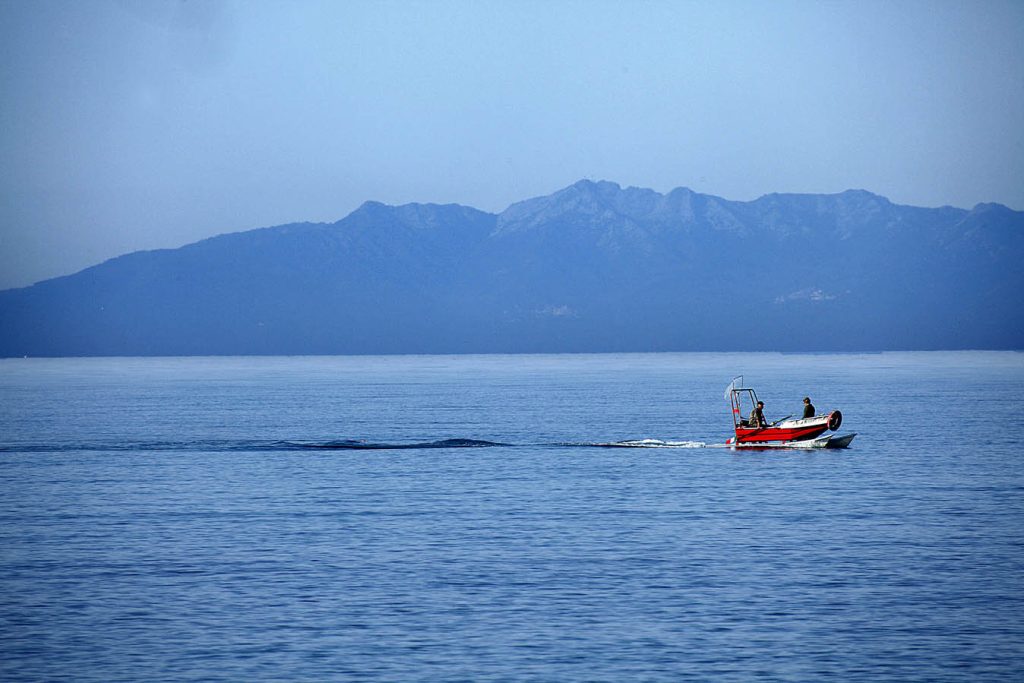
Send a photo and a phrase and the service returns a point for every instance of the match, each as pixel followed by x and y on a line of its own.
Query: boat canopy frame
pixel 736 393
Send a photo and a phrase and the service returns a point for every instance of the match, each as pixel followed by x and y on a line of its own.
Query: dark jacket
pixel 757 419
pixel 809 410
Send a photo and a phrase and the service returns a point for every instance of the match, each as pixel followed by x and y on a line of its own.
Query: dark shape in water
pixel 349 444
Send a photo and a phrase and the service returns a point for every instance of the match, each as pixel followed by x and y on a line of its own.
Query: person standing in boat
pixel 808 408
pixel 757 420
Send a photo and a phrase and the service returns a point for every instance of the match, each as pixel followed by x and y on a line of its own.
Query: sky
pixel 128 125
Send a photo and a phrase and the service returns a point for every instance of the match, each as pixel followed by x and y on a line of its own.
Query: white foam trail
pixel 658 443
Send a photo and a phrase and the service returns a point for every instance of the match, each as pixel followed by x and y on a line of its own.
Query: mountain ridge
pixel 591 267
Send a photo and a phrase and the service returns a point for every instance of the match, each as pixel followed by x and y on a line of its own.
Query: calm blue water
pixel 165 519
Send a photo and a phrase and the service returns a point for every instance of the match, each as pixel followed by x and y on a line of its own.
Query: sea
pixel 509 518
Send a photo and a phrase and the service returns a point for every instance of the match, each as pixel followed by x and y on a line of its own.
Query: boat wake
pixel 642 443
pixel 256 445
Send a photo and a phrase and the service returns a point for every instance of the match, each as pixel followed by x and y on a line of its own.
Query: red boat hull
pixel 746 435
pixel 790 430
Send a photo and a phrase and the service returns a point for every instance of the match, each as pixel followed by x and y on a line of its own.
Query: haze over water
pixel 165 519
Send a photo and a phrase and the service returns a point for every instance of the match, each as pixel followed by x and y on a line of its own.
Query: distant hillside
pixel 593 267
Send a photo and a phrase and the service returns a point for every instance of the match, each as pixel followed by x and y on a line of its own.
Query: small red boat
pixel 787 433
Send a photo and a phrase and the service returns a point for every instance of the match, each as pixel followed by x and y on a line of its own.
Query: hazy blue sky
pixel 131 125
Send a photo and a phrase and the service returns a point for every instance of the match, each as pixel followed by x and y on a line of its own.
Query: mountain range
pixel 592 267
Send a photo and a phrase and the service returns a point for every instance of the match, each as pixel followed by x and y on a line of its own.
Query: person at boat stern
pixel 808 407
pixel 757 416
